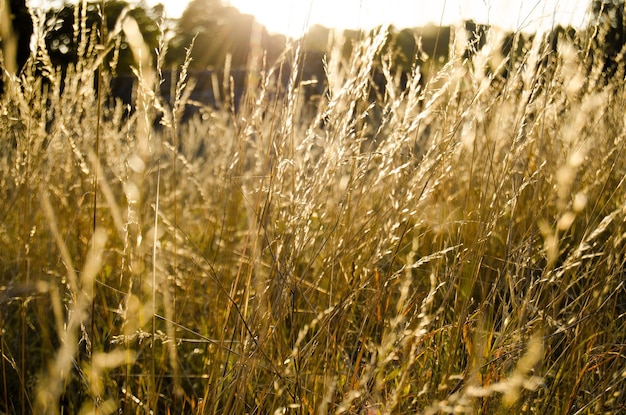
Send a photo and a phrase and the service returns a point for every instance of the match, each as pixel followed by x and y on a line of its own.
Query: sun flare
pixel 294 17
pixel 280 16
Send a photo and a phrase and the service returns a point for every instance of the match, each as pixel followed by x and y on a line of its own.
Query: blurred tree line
pixel 219 32
pixel 16 29
pixel 63 43
pixel 606 48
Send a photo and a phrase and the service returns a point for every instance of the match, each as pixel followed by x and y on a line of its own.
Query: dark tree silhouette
pixel 63 45
pixel 16 29
pixel 477 37
pixel 220 35
pixel 435 41
pixel 407 49
pixel 607 31
pixel 201 21
pixel 219 31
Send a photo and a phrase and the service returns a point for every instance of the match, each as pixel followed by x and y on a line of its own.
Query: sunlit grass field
pixel 457 246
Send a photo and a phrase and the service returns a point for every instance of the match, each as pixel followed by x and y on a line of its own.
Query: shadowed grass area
pixel 456 247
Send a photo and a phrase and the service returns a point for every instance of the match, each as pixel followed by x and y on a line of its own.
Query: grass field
pixel 458 247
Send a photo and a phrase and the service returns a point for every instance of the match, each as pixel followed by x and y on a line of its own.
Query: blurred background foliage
pixel 63 44
pixel 220 32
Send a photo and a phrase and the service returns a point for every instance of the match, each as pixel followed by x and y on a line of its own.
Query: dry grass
pixel 457 248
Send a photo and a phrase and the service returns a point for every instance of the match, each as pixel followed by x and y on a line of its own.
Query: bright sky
pixel 292 17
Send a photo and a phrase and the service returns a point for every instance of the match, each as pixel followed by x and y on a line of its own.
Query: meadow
pixel 456 246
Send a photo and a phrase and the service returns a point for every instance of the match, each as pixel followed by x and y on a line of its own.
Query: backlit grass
pixel 456 247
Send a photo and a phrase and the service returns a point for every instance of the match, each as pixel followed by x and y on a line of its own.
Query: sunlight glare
pixel 294 17
pixel 279 16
